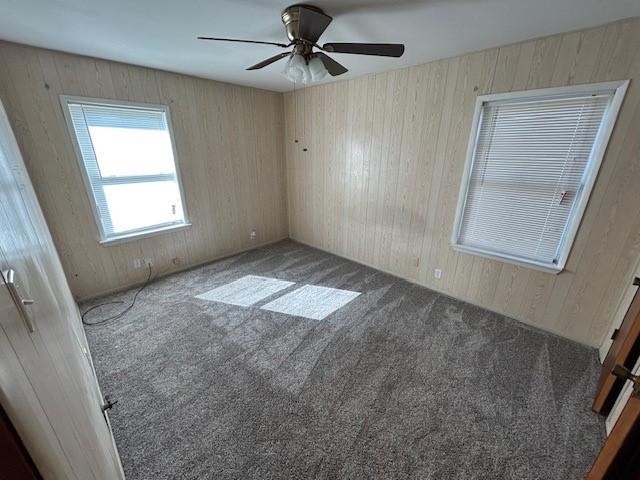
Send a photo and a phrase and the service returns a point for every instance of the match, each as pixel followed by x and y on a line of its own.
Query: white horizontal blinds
pixel 121 117
pixel 90 163
pixel 527 171
pixel 128 158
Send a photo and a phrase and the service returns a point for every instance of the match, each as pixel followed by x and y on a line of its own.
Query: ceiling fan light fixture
pixel 317 69
pixel 296 69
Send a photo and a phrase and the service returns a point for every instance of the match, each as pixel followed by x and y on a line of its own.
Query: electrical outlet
pixel 252 235
pixel 437 273
pixel 137 263
pixel 148 262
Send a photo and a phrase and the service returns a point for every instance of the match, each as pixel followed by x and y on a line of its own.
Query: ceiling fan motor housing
pixel 292 25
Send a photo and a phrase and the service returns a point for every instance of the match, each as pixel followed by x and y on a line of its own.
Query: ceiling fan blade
pixel 380 49
pixel 269 61
pixel 244 41
pixel 333 67
pixel 312 24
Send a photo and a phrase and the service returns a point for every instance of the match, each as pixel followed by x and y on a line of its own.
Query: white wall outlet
pixel 437 273
pixel 252 235
pixel 137 263
pixel 148 262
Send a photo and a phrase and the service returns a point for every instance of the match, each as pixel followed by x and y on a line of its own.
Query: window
pixel 127 157
pixel 532 161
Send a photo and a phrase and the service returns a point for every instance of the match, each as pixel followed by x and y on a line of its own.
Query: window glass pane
pixel 137 205
pixel 127 155
pixel 130 151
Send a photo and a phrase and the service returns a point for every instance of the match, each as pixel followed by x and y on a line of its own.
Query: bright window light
pixel 532 161
pixel 127 157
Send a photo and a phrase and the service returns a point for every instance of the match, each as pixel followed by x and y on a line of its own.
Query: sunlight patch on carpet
pixel 311 301
pixel 245 291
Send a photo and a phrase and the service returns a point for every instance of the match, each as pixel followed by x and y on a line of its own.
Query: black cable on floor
pixel 122 313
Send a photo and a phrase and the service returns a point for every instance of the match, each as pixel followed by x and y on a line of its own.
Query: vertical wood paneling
pixel 229 143
pixel 380 181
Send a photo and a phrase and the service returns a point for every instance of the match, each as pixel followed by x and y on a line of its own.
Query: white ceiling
pixel 162 33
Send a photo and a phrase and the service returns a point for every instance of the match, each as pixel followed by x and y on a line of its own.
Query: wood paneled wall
pixel 379 182
pixel 229 146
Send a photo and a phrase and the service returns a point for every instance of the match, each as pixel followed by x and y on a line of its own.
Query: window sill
pixel 144 234
pixel 554 269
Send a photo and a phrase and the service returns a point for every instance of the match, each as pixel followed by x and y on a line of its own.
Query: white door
pixel 47 384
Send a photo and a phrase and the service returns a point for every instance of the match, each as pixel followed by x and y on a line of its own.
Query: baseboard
pixel 442 292
pixel 182 268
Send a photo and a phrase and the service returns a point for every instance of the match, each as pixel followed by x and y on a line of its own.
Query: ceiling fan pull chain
pixel 295 114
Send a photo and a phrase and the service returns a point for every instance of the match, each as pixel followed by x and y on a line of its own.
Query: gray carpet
pixel 401 383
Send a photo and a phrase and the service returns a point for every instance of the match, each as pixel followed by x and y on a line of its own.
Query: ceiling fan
pixel 304 24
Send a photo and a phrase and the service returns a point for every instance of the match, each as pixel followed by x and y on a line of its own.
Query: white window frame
pixel 591 171
pixel 142 232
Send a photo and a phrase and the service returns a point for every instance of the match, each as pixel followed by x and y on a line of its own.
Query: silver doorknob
pixel 16 293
